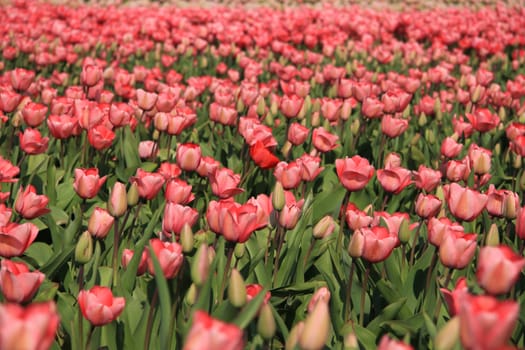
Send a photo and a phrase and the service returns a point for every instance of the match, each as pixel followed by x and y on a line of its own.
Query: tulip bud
pixel 261 107
pixel 437 109
pixel 502 114
pixel 497 149
pixel 211 255
pixel 118 203
pixel 274 108
pixel 316 106
pixel 278 199
pixel 203 62
pixel 346 110
pixel 268 119
pixel 509 207
pixel 406 112
pixel 477 94
pixel 422 121
pixel 237 289
pixel 191 295
pixel 133 195
pixel 316 119
pixel 430 136
pixel 316 328
pixel 415 139
pixel 186 238
pixel 417 155
pixel 293 336
pixel 84 248
pixel 287 147
pixel 522 181
pixel 355 126
pixel 356 246
pixel 324 227
pixel 266 323
pixel 404 232
pixel 302 112
pixel 239 250
pixel 350 342
pixel 307 103
pixel 493 236
pixel 200 265
pixel 273 220
pixel 448 336
pixel 240 106
pixel 516 162
pixel 332 91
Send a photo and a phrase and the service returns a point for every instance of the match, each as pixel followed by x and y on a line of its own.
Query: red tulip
pixel 252 290
pixel 149 184
pixel 323 140
pixel 30 205
pixel 457 249
pixel 379 243
pixel 29 328
pixel 297 134
pixel 63 126
pixel 234 221
pixel 188 156
pixel 209 333
pixel 17 284
pixel 176 216
pixel 34 114
pixel 288 174
pixel 427 179
pixel 394 180
pixel 100 137
pixel 483 120
pixel 291 212
pixel 354 173
pixel 224 183
pixel 99 306
pixel 498 269
pixel 393 127
pixel 262 156
pixel 310 167
pixel 32 142
pixel 518 145
pixel 169 255
pixel 127 255
pixel 16 238
pixel 464 203
pixel 454 298
pixel 88 182
pixel 485 322
pixel 21 78
pixel 100 223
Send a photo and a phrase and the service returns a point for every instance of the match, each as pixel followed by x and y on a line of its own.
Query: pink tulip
pixel 99 306
pixel 17 283
pixel 464 203
pixel 29 204
pixel 169 255
pixel 354 173
pixel 209 333
pixel 498 269
pixel 87 182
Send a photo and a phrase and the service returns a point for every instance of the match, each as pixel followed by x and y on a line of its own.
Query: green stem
pixel 151 313
pixel 414 243
pixel 342 212
pixel 80 281
pixel 280 235
pixel 90 334
pixel 363 295
pixel 445 285
pixel 309 252
pixel 226 270
pixel 348 303
pixel 116 236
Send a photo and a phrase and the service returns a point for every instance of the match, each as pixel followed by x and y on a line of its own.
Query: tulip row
pixel 231 178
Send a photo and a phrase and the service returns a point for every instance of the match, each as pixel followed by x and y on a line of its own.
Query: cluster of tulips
pixel 230 178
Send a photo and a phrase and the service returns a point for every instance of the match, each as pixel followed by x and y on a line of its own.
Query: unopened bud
pixel 315 119
pixel 307 103
pixel 406 112
pixel 316 106
pixel 346 110
pixel 186 238
pixel 274 108
pixel 355 126
pixel 287 147
pixel 239 250
pixel 278 198
pixel 84 248
pixel 417 155
pixel 316 328
pixel 437 109
pixel 415 139
pixel 118 202
pixel 448 336
pixel 191 295
pixel 357 244
pixel 237 289
pixel 476 94
pixel 350 342
pixel 293 336
pixel 302 112
pixel 492 239
pixel 509 207
pixel 430 136
pixel 497 149
pixel 422 121
pixel 324 227
pixel 516 161
pixel 240 106
pixel 133 195
pixel 404 232
pixel 203 62
pixel 261 107
pixel 266 323
pixel 502 113
pixel 200 265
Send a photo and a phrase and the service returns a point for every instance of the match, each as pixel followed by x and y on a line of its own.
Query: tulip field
pixel 237 177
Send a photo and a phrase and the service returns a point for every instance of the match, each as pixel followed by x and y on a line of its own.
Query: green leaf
pixel 164 301
pixel 388 313
pixel 40 252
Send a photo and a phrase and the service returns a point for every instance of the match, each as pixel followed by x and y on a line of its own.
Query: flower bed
pixel 229 178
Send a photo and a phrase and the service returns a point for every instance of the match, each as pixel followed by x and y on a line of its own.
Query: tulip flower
pixel 498 269
pixel 149 184
pixel 394 180
pixel 32 142
pixel 176 216
pixel 17 283
pixel 378 243
pixel 100 222
pixel 464 203
pixel 485 322
pixel 297 134
pixel 87 182
pixel 323 140
pixel 483 120
pixel 354 173
pixel 34 114
pixel 454 298
pixel 188 156
pixel 427 179
pixel 127 255
pixel 262 156
pixel 209 333
pixel 288 174
pixel 29 328
pixel 99 306
pixel 16 238
pixel 457 249
pixel 387 343
pixel 169 255
pixel 30 205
